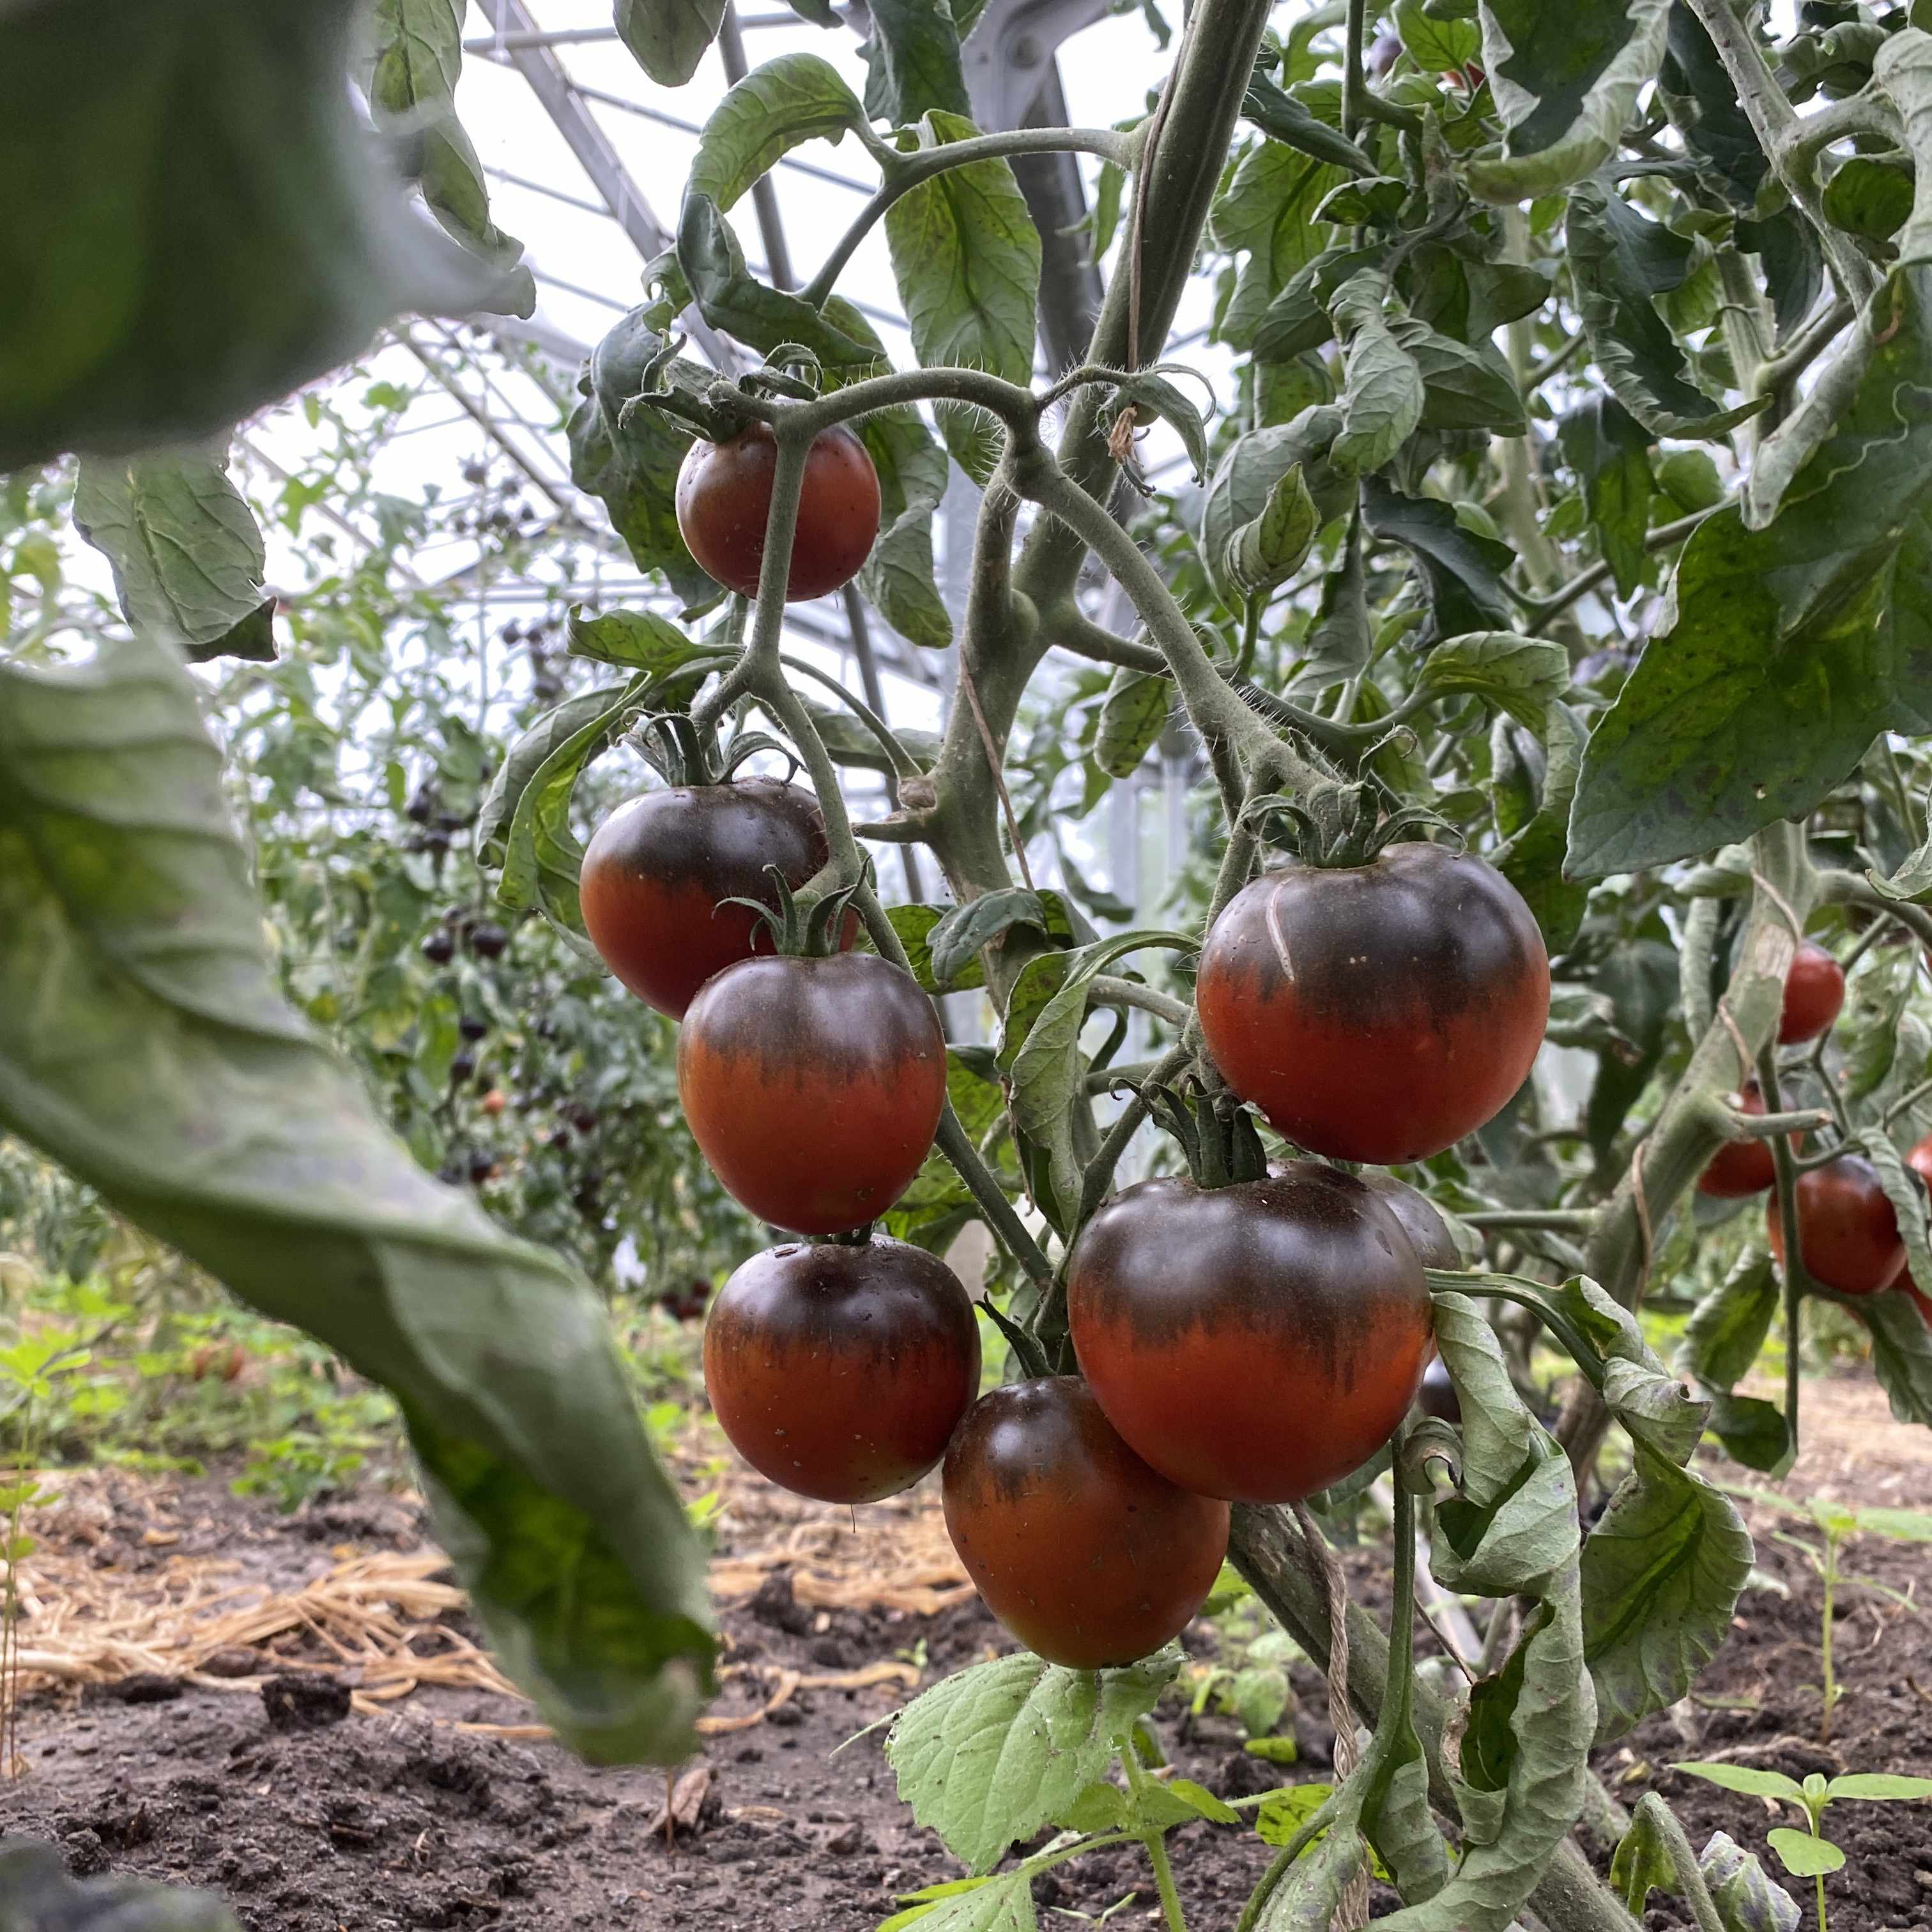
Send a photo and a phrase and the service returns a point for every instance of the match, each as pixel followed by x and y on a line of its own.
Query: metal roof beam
pixel 563 101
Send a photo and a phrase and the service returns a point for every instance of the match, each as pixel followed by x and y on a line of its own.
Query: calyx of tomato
pixel 684 753
pixel 810 933
pixel 1216 1133
pixel 1339 823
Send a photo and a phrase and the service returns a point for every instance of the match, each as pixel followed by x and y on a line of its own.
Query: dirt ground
pixel 379 1781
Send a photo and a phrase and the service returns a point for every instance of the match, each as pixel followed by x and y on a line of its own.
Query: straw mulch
pixel 381 1621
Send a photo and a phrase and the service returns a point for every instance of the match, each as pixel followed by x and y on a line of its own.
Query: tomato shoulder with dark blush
pixel 1257 1342
pixel 657 871
pixel 1089 1557
pixel 813 1086
pixel 840 1372
pixel 1376 1013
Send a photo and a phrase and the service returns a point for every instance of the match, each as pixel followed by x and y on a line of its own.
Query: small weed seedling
pixel 1838 1524
pixel 1809 1855
pixel 29 1373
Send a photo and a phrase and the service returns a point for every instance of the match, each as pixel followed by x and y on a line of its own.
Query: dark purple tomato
pixel 1814 991
pixel 657 869
pixel 813 1087
pixel 1845 1226
pixel 1376 1013
pixel 1257 1342
pixel 1428 1233
pixel 841 1373
pixel 1089 1557
pixel 1437 1396
pixel 1740 1167
pixel 725 498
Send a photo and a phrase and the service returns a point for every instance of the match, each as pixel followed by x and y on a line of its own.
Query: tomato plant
pixel 1088 1556
pixel 840 1370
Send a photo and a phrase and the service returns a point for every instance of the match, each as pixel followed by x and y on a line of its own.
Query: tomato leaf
pixel 668 38
pixel 1133 715
pixel 1532 857
pixel 1746 1899
pixel 1267 212
pixel 1283 119
pixel 1262 555
pixel 960 936
pixel 913 63
pixel 144 1045
pixel 1727 1329
pixel 898 581
pixel 1610 450
pixel 1878 1785
pixel 526 757
pixel 915 926
pixel 1522 676
pixel 1661 1570
pixel 1436 45
pixel 1245 484
pixel 631 462
pixel 1461 570
pixel 776 107
pixel 1464 385
pixel 1566 80
pixel 186 555
pixel 966 256
pixel 1513 1530
pixel 989 1756
pixel 196 222
pixel 1381 387
pixel 1794 645
pixel 1621 261
pixel 730 297
pixel 1710 117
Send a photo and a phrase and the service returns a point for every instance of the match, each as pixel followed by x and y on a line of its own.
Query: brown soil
pixel 314 1809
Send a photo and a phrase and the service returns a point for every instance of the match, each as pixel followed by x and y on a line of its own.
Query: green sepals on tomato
pixel 839 1370
pixel 724 501
pixel 1376 1012
pixel 813 1081
pixel 1847 1230
pixel 1088 1556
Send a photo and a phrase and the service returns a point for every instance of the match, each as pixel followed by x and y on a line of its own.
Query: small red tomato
pixel 1847 1227
pixel 657 871
pixel 1257 1342
pixel 1085 1554
pixel 1814 991
pixel 813 1087
pixel 725 498
pixel 1739 1168
pixel 495 1101
pixel 840 1372
pixel 1376 1013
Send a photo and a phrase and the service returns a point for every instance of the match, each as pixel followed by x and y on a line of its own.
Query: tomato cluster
pixel 1255 1340
pixel 1847 1229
